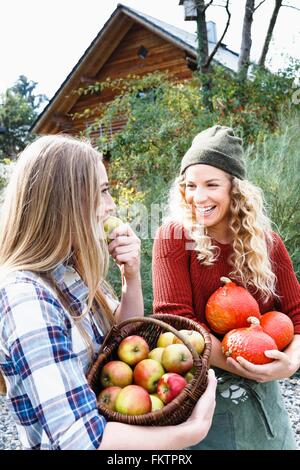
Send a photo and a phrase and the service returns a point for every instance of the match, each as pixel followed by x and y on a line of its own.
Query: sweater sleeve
pixel 288 287
pixel 172 290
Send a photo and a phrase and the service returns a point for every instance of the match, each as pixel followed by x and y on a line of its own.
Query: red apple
pixel 156 402
pixel 147 374
pixel 108 397
pixel 133 349
pixel 194 338
pixel 156 354
pixel 169 386
pixel 177 358
pixel 116 373
pixel 165 339
pixel 133 400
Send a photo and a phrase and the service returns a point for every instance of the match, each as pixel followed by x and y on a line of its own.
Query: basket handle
pixel 155 321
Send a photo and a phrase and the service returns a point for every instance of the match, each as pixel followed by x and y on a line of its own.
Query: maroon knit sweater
pixel 182 286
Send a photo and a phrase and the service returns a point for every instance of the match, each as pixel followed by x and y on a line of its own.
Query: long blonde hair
pixel 50 205
pixel 250 228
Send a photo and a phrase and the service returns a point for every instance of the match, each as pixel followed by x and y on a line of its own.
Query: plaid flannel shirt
pixel 44 360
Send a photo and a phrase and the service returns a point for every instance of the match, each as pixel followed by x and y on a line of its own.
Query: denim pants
pixel 248 416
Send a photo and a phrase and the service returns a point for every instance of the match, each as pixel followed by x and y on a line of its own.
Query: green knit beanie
pixel 218 147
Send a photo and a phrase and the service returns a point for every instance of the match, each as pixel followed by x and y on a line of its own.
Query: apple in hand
pixel 110 224
pixel 156 402
pixel 133 349
pixel 108 397
pixel 156 354
pixel 147 374
pixel 133 400
pixel 116 373
pixel 169 386
pixel 165 339
pixel 194 338
pixel 177 358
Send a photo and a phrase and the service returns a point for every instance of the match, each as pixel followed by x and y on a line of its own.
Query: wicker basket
pixel 179 409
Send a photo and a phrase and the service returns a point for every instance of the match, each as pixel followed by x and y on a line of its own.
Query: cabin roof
pixel 116 26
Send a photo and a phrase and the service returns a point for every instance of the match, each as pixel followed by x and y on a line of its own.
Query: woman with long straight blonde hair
pixel 55 306
pixel 217 227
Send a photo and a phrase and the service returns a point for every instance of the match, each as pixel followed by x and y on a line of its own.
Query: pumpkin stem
pixel 253 320
pixel 225 280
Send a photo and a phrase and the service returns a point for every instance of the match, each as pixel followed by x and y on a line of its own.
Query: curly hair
pixel 250 227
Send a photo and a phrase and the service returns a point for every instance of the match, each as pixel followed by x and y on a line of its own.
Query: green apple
pixel 177 358
pixel 156 354
pixel 194 338
pixel 133 349
pixel 133 400
pixel 156 402
pixel 190 375
pixel 110 224
pixel 165 339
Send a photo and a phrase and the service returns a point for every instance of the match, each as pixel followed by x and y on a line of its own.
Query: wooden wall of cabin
pixel 162 55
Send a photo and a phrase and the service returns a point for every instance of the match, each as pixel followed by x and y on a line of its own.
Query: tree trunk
pixel 203 68
pixel 202 36
pixel 244 59
pixel 262 59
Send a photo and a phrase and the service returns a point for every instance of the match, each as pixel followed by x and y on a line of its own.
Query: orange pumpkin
pixel 279 326
pixel 249 343
pixel 229 307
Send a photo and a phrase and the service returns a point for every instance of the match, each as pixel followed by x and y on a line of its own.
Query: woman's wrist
pixel 132 278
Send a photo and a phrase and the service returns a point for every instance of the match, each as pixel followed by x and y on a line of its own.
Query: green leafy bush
pixel 274 165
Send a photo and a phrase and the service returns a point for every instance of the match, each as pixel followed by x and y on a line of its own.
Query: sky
pixel 44 39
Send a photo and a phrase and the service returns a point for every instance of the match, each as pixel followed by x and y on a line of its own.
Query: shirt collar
pixel 58 273
pixel 65 276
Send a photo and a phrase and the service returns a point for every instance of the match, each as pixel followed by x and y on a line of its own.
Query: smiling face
pixel 207 190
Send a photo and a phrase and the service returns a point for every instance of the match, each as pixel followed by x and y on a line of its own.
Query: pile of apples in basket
pixel 145 380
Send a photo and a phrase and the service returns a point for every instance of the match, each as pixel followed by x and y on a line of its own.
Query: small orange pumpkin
pixel 279 326
pixel 249 343
pixel 229 307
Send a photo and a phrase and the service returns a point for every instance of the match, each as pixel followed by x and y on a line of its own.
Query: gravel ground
pixel 290 389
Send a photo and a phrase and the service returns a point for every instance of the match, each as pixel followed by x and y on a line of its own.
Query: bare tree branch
pixel 256 8
pixel 209 3
pixel 291 6
pixel 265 49
pixel 222 37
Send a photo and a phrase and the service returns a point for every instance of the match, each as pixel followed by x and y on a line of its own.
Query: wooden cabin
pixel 130 42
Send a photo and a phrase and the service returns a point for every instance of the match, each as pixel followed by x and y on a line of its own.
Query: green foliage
pixel 157 131
pixel 18 110
pixel 253 106
pixel 146 261
pixel 162 119
pixel 274 165
pixel 5 171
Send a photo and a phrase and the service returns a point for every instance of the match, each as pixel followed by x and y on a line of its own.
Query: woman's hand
pixel 200 420
pixel 118 436
pixel 125 248
pixel 281 368
pixel 284 365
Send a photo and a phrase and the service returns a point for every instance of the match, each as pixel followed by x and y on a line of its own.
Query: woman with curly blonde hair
pixel 55 306
pixel 217 227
